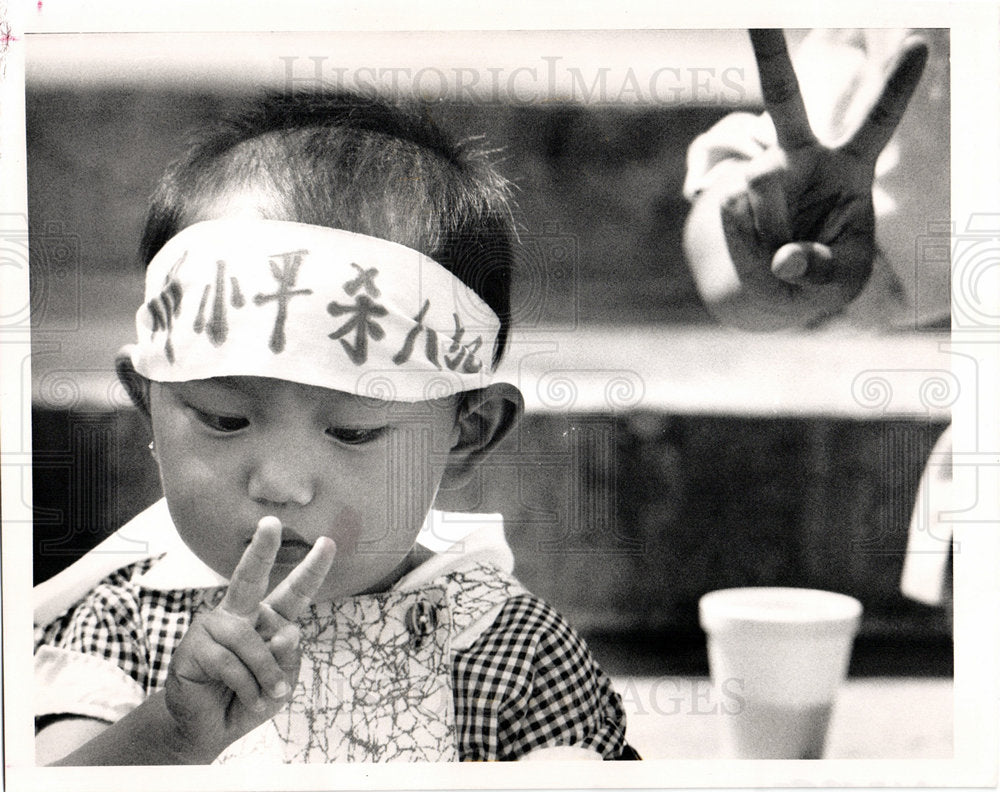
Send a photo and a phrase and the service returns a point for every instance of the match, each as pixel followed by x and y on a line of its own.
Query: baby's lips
pixel 290 537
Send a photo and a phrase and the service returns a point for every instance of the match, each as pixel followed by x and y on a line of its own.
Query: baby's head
pixel 328 290
pixel 353 163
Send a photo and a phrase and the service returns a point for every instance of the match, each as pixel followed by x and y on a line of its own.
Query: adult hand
pixel 786 237
pixel 237 664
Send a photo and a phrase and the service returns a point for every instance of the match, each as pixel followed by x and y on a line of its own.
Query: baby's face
pixel 234 449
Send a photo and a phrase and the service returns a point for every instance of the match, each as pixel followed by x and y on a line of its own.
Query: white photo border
pixel 975 176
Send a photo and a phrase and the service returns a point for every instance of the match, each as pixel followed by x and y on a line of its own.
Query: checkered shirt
pixel 528 680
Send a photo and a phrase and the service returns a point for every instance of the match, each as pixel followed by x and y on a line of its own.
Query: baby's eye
pixel 221 423
pixel 356 436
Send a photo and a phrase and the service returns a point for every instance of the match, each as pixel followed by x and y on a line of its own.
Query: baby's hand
pixel 797 235
pixel 237 665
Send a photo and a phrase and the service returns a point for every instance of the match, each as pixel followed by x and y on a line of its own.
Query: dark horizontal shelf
pixel 684 654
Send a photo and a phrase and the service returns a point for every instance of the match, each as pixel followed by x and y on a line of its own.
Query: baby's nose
pixel 286 479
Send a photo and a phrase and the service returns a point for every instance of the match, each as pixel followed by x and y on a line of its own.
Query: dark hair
pixel 358 164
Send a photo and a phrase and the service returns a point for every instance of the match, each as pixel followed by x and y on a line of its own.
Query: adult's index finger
pixel 780 87
pixel 295 593
pixel 250 579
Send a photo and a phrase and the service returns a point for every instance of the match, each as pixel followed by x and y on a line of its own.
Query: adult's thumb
pixel 803 263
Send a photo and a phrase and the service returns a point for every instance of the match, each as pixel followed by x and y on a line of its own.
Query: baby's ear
pixel 136 385
pixel 485 416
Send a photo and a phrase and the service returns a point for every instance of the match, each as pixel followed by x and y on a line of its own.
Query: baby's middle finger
pixel 294 594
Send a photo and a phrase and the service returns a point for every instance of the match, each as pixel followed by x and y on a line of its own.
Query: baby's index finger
pixel 295 593
pixel 780 87
pixel 249 580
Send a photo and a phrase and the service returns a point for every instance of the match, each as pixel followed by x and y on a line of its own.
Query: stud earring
pixel 152 447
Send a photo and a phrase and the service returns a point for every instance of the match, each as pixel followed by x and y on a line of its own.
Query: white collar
pixel 455 538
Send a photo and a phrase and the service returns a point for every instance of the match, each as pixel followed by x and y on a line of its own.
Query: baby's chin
pixel 354 579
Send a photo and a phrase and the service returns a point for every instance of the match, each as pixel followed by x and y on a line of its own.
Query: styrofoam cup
pixel 780 654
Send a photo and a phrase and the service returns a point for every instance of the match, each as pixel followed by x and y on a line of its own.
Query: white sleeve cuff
pixel 73 683
pixel 737 137
pixel 560 753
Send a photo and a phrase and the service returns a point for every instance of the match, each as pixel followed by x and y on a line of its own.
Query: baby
pixel 327 294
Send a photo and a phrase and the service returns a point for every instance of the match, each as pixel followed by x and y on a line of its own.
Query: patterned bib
pixel 375 679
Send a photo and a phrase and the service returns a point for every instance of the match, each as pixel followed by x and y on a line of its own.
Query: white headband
pixel 313 305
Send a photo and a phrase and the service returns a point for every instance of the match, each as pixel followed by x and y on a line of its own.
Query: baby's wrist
pixel 179 745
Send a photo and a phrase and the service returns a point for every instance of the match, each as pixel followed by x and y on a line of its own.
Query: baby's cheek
pixel 347 531
pixel 209 518
pixel 213 484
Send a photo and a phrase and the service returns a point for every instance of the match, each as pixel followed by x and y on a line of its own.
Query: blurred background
pixel 662 456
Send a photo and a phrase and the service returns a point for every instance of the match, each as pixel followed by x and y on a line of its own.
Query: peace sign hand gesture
pixel 237 664
pixel 786 237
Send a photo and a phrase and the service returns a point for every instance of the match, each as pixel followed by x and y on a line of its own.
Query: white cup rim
pixel 778 608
